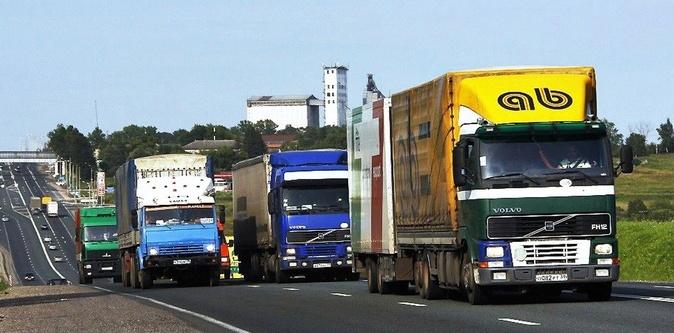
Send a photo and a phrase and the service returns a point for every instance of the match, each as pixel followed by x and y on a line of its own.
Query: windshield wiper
pixel 563 172
pixel 513 174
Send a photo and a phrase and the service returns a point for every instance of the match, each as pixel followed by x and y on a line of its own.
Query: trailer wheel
pixel 134 272
pixel 599 292
pixel 126 278
pixel 279 275
pixel 117 278
pixel 475 294
pixel 429 288
pixel 372 276
pixel 383 286
pixel 145 279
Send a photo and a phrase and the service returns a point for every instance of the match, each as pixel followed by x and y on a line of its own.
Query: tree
pixel 266 127
pixel 96 138
pixel 614 136
pixel 666 133
pixel 70 144
pixel 225 157
pixel 251 140
pixel 131 142
pixel 638 143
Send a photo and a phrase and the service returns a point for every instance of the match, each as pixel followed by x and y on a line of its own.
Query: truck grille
pixel 541 253
pixel 167 250
pixel 102 254
pixel 540 226
pixel 321 251
pixel 319 236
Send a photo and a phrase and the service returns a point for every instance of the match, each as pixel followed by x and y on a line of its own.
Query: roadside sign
pixel 100 183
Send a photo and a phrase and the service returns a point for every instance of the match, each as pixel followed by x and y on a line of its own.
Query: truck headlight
pixel 87 266
pixel 494 251
pixel 349 249
pixel 343 225
pixel 290 252
pixel 210 247
pixel 153 251
pixel 603 249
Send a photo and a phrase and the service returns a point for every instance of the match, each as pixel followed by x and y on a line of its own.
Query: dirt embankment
pixel 81 309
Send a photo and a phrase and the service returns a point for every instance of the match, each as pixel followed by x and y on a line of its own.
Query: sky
pixel 171 64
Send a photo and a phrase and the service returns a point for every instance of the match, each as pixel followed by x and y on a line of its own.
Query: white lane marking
pixel 253 286
pixel 522 322
pixel 37 233
pixel 340 294
pixel 411 304
pixel 211 320
pixel 645 298
pixel 291 289
pixel 665 287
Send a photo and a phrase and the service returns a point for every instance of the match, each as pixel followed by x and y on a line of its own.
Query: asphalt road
pixel 22 235
pixel 333 306
pixel 348 307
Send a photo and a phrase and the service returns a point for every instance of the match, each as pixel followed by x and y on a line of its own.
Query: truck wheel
pixel 214 277
pixel 372 275
pixel 134 273
pixel 117 278
pixel 125 270
pixel 599 292
pixel 255 269
pixel 383 286
pixel 227 273
pixel 88 280
pixel 475 294
pixel 145 279
pixel 417 277
pixel 429 288
pixel 279 275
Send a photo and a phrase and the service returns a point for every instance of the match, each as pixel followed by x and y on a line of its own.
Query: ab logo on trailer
pixel 521 101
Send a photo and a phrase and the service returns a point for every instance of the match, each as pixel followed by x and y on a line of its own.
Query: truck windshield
pixel 588 157
pixel 177 215
pixel 316 199
pixel 100 233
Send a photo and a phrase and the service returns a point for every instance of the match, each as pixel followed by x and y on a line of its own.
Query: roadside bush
pixel 620 212
pixel 661 214
pixel 637 209
pixel 662 204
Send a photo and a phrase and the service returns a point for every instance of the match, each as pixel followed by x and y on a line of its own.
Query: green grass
pixel 3 285
pixel 646 250
pixel 653 180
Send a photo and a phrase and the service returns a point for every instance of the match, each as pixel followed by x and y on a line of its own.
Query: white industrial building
pixel 296 110
pixel 335 97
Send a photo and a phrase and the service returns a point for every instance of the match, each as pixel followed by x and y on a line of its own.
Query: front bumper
pixel 182 261
pixel 101 269
pixel 527 275
pixel 322 263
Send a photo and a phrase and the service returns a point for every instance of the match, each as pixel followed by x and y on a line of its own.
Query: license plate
pixel 182 261
pixel 551 277
pixel 323 265
pixel 106 268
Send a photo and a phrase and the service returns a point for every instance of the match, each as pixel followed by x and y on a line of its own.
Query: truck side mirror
pixel 271 203
pixel 459 167
pixel 221 214
pixel 626 159
pixel 230 243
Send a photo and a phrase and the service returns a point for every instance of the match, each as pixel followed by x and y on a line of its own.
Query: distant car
pixel 58 259
pixel 47 239
pixel 29 277
pixel 44 227
pixel 52 247
pixel 57 282
pixel 5 219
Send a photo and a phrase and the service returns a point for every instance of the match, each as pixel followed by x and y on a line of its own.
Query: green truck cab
pixel 96 244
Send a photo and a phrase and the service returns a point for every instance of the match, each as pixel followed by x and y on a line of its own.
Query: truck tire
pixel 475 294
pixel 126 278
pixel 134 273
pixel 599 292
pixel 372 275
pixel 214 277
pixel 227 273
pixel 279 275
pixel 429 288
pixel 117 278
pixel 144 279
pixel 383 286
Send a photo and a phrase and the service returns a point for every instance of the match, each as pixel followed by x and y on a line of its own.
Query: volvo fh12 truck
pixel 486 181
pixel 291 215
pixel 96 244
pixel 166 220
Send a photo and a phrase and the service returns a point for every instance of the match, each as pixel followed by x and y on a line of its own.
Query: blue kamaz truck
pixel 166 220
pixel 291 215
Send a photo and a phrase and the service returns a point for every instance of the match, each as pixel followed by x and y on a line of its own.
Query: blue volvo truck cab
pixel 166 220
pixel 292 216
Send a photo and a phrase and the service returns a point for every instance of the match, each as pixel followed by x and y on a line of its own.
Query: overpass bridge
pixel 27 157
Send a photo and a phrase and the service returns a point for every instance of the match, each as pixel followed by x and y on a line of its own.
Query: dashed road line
pixel 291 289
pixel 412 304
pixel 340 294
pixel 206 318
pixel 521 322
pixel 664 287
pixel 253 286
pixel 645 298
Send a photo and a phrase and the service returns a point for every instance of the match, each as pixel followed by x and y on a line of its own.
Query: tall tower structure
pixel 334 93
